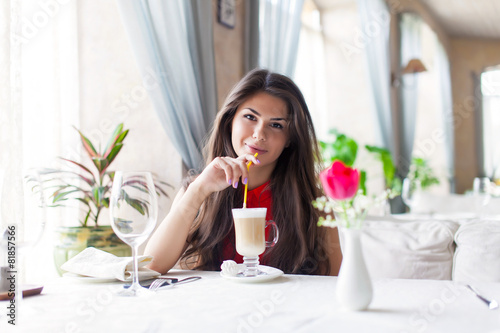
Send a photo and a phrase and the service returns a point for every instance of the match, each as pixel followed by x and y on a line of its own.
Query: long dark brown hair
pixel 293 185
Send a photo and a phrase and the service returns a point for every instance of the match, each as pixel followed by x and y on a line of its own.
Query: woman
pixel 265 113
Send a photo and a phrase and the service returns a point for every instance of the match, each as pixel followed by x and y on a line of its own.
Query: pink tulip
pixel 340 182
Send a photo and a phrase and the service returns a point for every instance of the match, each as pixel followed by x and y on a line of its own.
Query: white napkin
pixel 100 264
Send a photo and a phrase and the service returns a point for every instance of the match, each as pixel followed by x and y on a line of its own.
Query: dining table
pixel 287 303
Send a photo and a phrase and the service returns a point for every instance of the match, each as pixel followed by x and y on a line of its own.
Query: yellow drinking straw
pixel 246 185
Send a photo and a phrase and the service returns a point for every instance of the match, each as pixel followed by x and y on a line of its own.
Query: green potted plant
pixel 90 187
pixel 384 155
pixel 420 169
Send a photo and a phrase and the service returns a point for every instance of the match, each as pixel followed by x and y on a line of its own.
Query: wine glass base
pixel 134 291
pixel 258 272
pixel 251 267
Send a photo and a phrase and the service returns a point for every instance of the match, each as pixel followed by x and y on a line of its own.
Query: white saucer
pixel 86 279
pixel 268 273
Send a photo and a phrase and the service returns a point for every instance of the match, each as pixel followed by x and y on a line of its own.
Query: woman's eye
pixel 249 116
pixel 277 125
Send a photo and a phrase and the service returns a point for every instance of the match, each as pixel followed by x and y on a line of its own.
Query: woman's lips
pixel 254 149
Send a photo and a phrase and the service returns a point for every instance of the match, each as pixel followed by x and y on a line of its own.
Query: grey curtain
pixel 478 123
pixel 279 30
pixel 410 26
pixel 173 45
pixel 251 35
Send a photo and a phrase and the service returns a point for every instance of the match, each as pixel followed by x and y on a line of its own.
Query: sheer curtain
pixel 490 92
pixel 443 69
pixel 173 45
pixel 279 30
pixel 410 26
pixel 310 71
pixel 10 80
pixel 378 65
pixel 38 102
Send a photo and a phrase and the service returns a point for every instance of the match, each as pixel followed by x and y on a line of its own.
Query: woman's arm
pixel 169 241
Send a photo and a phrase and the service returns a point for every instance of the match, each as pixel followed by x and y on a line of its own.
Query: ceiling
pixel 467 18
pixel 459 18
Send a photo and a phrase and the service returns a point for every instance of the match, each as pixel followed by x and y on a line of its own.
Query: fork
pixel 169 281
pixel 492 304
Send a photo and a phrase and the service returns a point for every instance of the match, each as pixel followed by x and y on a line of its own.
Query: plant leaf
pixel 420 169
pixel 385 156
pixel 117 137
pixel 362 181
pixel 122 136
pixel 112 154
pixel 85 202
pixel 101 164
pixel 77 164
pixel 343 148
pixel 62 195
pixel 89 148
pixel 136 204
pixel 84 223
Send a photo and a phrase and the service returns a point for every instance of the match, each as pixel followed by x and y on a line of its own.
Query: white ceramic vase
pixel 354 286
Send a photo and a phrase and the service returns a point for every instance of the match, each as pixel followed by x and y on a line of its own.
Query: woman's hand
pixel 223 172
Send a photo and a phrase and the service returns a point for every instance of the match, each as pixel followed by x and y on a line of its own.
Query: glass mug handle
pixel 276 233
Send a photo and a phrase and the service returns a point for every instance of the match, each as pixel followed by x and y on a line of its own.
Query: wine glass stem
pixel 135 278
pixel 251 266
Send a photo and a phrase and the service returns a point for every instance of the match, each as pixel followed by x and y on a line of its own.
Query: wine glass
pixel 481 193
pixel 410 192
pixel 22 223
pixel 133 210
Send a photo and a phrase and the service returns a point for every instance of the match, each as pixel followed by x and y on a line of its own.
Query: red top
pixel 258 197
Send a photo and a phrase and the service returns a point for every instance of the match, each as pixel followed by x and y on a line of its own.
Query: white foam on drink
pixel 249 212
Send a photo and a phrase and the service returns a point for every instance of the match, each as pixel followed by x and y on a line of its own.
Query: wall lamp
pixel 413 66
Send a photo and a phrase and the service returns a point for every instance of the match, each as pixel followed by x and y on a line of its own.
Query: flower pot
pixel 73 240
pixel 354 286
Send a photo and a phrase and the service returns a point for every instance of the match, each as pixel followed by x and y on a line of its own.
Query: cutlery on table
pixel 492 304
pixel 160 282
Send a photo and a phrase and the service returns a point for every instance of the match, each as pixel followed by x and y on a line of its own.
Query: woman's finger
pixel 239 169
pixel 249 158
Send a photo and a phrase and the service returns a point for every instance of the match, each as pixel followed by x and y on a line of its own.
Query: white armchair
pixel 428 248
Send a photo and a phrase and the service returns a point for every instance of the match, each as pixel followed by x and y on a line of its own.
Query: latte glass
pixel 249 227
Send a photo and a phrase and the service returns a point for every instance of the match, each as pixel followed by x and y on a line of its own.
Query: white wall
pixel 111 92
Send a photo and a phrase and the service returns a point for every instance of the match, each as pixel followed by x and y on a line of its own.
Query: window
pixel 335 82
pixel 429 143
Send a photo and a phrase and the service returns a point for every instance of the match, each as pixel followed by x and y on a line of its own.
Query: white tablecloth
pixel 291 303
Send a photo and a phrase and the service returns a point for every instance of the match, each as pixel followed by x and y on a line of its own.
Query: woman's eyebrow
pixel 258 114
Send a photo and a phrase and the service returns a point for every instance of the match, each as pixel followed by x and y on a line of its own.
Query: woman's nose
pixel 259 133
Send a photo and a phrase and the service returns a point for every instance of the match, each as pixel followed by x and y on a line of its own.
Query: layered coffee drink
pixel 249 226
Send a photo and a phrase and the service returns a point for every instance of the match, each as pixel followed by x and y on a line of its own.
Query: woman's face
pixel 260 125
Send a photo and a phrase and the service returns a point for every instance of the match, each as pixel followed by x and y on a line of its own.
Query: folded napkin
pixel 100 264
